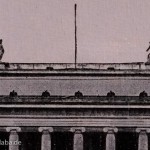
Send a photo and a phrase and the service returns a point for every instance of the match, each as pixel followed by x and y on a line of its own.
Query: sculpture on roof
pixel 111 94
pixel 45 94
pixel 78 94
pixel 1 49
pixel 148 56
pixel 13 94
pixel 143 94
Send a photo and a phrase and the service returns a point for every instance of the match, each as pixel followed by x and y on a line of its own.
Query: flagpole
pixel 75 21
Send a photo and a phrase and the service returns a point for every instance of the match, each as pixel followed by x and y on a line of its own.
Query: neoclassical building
pixel 57 107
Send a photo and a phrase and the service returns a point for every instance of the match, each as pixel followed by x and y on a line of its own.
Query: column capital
pixel 147 130
pixel 77 129
pixel 110 129
pixel 49 129
pixel 17 129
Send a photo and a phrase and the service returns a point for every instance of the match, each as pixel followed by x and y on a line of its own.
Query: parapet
pixel 79 66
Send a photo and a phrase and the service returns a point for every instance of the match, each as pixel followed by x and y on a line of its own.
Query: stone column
pixel 46 137
pixel 78 138
pixel 110 138
pixel 13 137
pixel 143 138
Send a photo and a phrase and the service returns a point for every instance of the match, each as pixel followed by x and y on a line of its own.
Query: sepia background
pixel 43 30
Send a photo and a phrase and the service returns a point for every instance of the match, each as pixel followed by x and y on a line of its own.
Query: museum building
pixel 57 107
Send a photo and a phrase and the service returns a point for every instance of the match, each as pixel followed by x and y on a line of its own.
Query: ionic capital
pixel 77 129
pixel 49 129
pixel 16 129
pixel 110 130
pixel 147 130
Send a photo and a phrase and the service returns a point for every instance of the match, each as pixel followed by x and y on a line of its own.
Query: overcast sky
pixel 43 30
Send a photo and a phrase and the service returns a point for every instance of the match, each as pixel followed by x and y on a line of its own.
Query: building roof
pixel 71 66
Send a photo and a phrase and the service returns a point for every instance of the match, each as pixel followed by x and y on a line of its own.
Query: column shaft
pixel 110 138
pixel 46 137
pixel 13 140
pixel 143 141
pixel 110 141
pixel 46 141
pixel 78 141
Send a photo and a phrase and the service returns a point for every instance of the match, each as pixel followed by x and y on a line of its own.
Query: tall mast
pixel 75 21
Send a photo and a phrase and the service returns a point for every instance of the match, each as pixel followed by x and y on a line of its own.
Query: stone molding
pixel 76 123
pixel 77 129
pixel 16 129
pixel 49 129
pixel 110 129
pixel 147 130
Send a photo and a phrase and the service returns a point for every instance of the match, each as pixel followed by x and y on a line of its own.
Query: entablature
pixel 75 100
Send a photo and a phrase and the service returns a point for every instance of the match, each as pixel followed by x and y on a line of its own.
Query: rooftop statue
pixel 78 94
pixel 13 94
pixel 45 94
pixel 1 49
pixel 111 94
pixel 148 56
pixel 143 94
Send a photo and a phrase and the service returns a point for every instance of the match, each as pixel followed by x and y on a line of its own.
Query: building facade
pixel 57 107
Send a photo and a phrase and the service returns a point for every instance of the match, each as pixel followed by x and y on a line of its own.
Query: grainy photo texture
pixel 74 75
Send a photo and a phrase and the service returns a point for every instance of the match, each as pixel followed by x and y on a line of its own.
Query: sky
pixel 42 31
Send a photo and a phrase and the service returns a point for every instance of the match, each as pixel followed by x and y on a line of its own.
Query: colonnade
pixel 78 138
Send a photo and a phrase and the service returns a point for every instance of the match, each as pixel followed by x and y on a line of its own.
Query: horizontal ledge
pixel 74 106
pixel 71 117
pixel 75 122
